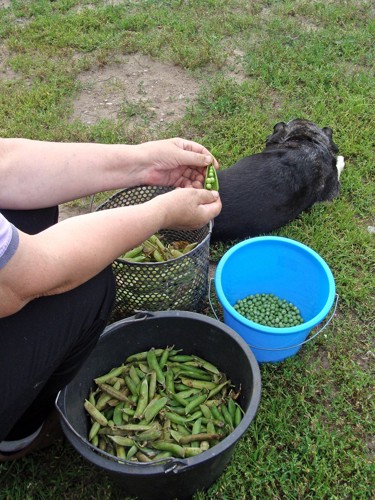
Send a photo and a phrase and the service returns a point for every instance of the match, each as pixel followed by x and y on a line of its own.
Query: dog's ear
pixel 328 131
pixel 279 127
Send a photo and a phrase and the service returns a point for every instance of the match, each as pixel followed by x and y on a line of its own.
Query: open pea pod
pixel 211 181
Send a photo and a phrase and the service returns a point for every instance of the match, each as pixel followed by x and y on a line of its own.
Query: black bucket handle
pixel 288 347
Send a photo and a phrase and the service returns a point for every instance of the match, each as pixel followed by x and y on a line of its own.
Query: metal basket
pixel 178 284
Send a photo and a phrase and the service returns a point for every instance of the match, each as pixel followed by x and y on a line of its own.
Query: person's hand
pixel 188 208
pixel 175 162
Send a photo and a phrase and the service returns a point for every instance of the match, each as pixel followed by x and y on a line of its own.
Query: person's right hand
pixel 187 208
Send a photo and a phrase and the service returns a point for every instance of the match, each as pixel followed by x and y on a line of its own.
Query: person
pixel 56 284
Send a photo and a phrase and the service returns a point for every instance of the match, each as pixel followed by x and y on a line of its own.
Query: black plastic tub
pixel 195 334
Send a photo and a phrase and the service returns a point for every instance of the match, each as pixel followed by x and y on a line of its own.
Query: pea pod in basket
pixel 154 250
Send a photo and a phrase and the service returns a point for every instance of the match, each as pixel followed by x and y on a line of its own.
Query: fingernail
pixel 208 160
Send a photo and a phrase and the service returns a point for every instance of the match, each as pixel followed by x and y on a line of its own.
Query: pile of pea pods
pixel 161 403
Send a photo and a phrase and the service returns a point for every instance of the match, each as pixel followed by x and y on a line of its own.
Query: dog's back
pixel 265 191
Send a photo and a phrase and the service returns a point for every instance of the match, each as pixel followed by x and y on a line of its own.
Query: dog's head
pixel 300 130
pixel 314 146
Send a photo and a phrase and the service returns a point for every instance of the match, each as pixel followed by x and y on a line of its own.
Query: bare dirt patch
pixel 137 90
pixel 6 73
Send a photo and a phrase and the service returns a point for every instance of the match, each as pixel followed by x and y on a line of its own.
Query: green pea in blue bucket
pixel 287 269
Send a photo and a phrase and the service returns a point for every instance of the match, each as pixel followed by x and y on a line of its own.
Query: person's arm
pixel 69 253
pixel 38 174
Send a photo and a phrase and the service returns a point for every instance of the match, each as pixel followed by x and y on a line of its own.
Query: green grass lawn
pixel 313 435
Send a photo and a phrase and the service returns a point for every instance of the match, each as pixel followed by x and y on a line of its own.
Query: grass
pixel 313 434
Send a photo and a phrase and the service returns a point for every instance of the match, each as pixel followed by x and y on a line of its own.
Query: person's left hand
pixel 176 162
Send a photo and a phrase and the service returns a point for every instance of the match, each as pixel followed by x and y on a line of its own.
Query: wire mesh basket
pixel 177 284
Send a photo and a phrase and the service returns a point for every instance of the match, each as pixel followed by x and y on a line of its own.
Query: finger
pixel 202 156
pixel 208 196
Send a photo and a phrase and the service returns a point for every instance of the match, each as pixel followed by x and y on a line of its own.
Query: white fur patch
pixel 340 164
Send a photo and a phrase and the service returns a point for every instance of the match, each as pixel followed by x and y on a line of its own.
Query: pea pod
pixel 211 181
pixel 117 414
pixel 168 446
pixel 95 413
pixel 143 399
pixel 194 403
pixel 114 393
pixel 94 430
pixel 153 408
pixel 115 372
pixel 198 384
pixel 203 436
pixel 154 365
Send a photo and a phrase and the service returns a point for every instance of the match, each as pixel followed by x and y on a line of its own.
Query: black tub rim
pixel 173 465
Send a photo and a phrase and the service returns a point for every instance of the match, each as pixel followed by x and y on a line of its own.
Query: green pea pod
pixel 132 386
pixel 96 415
pixel 134 375
pixel 122 440
pixel 152 385
pixel 120 452
pixel 217 389
pixel 115 372
pixel 102 401
pixel 227 416
pixel 142 356
pixel 153 408
pixel 176 449
pixel 154 365
pixel 196 429
pixel 194 403
pixel 117 414
pixel 150 435
pixel 164 357
pixel 217 414
pixel 202 363
pixel 143 399
pixel 114 393
pixel 94 430
pixel 132 451
pixel 237 415
pixel 203 436
pixel 142 457
pixel 231 408
pixel 133 253
pixel 211 181
pixel 206 411
pixel 169 381
pixel 198 384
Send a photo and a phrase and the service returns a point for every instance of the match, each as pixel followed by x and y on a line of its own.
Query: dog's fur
pixel 265 191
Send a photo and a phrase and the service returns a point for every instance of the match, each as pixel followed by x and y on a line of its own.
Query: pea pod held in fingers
pixel 211 181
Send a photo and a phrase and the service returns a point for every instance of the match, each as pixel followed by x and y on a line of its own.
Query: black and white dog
pixel 265 191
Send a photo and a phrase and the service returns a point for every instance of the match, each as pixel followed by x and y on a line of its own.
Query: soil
pixel 135 89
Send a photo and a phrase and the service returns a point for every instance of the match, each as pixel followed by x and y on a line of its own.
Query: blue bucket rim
pixel 308 325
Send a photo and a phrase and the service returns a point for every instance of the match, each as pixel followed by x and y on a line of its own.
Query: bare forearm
pixel 37 174
pixel 68 254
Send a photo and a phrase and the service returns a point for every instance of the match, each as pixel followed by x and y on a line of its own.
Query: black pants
pixel 43 345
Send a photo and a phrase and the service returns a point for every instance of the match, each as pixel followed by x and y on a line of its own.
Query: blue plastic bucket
pixel 286 268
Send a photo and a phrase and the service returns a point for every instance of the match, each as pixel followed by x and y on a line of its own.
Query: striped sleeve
pixel 9 240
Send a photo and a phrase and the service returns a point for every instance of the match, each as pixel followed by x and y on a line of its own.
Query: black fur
pixel 265 191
